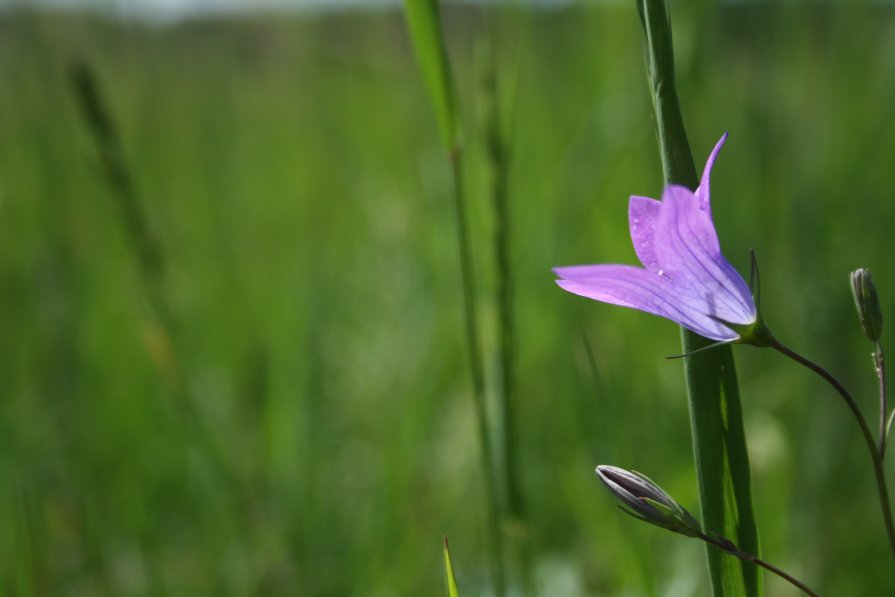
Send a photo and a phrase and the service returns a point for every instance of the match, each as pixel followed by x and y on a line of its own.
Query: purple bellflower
pixel 684 277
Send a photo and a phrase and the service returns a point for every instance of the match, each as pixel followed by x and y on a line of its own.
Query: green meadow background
pixel 282 406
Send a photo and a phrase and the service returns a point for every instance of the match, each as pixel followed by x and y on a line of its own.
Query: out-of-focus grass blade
pixel 449 581
pixel 424 23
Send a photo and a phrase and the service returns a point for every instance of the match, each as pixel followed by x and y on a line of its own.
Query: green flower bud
pixel 867 303
pixel 643 499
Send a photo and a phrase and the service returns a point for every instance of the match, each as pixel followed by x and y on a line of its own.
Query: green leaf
pixel 449 580
pixel 424 24
pixel 719 443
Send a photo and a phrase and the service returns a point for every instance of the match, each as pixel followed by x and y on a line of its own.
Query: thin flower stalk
pixel 879 364
pixel 870 315
pixel 875 456
pixel 641 498
pixel 728 547
pixel 881 375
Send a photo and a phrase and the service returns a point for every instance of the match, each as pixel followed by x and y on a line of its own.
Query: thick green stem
pixel 719 443
pixel 875 457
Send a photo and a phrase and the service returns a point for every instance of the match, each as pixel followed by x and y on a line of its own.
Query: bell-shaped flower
pixel 684 277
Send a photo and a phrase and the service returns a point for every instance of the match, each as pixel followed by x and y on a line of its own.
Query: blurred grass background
pixel 303 425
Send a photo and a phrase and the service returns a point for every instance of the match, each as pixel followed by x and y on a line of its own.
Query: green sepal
pixel 677 520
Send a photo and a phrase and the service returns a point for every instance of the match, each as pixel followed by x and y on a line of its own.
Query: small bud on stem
pixel 643 499
pixel 867 303
pixel 647 501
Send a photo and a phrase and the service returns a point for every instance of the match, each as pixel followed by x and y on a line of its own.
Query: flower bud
pixel 867 303
pixel 643 499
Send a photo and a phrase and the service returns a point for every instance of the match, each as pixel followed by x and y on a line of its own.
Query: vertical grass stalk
pixel 150 266
pixel 424 25
pixel 497 127
pixel 147 251
pixel 876 456
pixel 719 444
pixel 498 156
pixel 478 375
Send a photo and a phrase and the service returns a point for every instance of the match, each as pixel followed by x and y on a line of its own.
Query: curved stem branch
pixel 728 547
pixel 865 431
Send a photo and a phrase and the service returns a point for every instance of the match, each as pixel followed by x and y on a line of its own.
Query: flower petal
pixel 575 272
pixel 643 213
pixel 702 192
pixel 637 288
pixel 689 254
